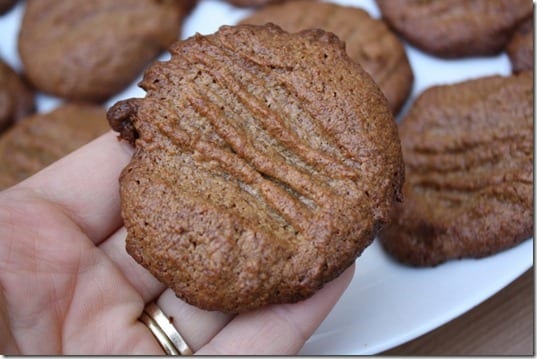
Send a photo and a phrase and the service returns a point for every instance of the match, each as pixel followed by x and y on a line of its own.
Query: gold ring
pixel 164 331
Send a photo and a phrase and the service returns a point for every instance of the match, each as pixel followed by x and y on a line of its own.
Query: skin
pixel 67 286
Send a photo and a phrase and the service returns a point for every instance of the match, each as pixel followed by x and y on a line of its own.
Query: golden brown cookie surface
pixel 367 40
pixel 90 49
pixel 468 152
pixel 265 163
pixel 38 140
pixel 456 28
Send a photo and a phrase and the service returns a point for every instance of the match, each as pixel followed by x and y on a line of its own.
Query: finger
pixel 85 185
pixel 278 329
pixel 103 312
pixel 8 345
pixel 196 326
pixel 139 277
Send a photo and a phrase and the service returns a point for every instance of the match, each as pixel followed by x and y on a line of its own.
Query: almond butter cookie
pixel 468 151
pixel 37 141
pixel 368 41
pixel 91 49
pixel 265 163
pixel 456 28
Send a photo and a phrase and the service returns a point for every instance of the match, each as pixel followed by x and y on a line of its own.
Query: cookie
pixel 37 141
pixel 468 151
pixel 16 98
pixel 265 163
pixel 459 28
pixel 520 47
pixel 91 49
pixel 368 41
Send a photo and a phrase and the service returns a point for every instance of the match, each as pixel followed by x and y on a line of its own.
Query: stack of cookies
pixel 267 154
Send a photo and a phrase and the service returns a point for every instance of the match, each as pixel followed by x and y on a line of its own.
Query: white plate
pixel 387 303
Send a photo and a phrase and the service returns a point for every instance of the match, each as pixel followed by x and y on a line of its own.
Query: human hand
pixel 68 286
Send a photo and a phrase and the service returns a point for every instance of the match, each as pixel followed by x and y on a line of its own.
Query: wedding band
pixel 168 346
pixel 164 331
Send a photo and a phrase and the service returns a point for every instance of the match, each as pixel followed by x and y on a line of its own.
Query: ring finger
pixel 196 326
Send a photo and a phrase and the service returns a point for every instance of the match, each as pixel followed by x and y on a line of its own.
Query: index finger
pixel 85 184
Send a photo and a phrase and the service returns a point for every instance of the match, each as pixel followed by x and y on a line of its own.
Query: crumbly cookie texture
pixel 468 151
pixel 38 140
pixel 368 41
pixel 457 28
pixel 265 163
pixel 88 50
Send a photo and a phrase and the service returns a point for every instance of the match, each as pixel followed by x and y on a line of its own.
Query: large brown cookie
pixel 37 141
pixel 265 163
pixel 368 41
pixel 456 28
pixel 520 47
pixel 16 98
pixel 468 151
pixel 91 49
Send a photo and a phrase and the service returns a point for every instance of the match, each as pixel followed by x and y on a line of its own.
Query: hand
pixel 68 286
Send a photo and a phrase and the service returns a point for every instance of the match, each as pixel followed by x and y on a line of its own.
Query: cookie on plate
pixel 37 141
pixel 265 163
pixel 368 41
pixel 16 98
pixel 468 152
pixel 91 49
pixel 457 28
pixel 520 47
